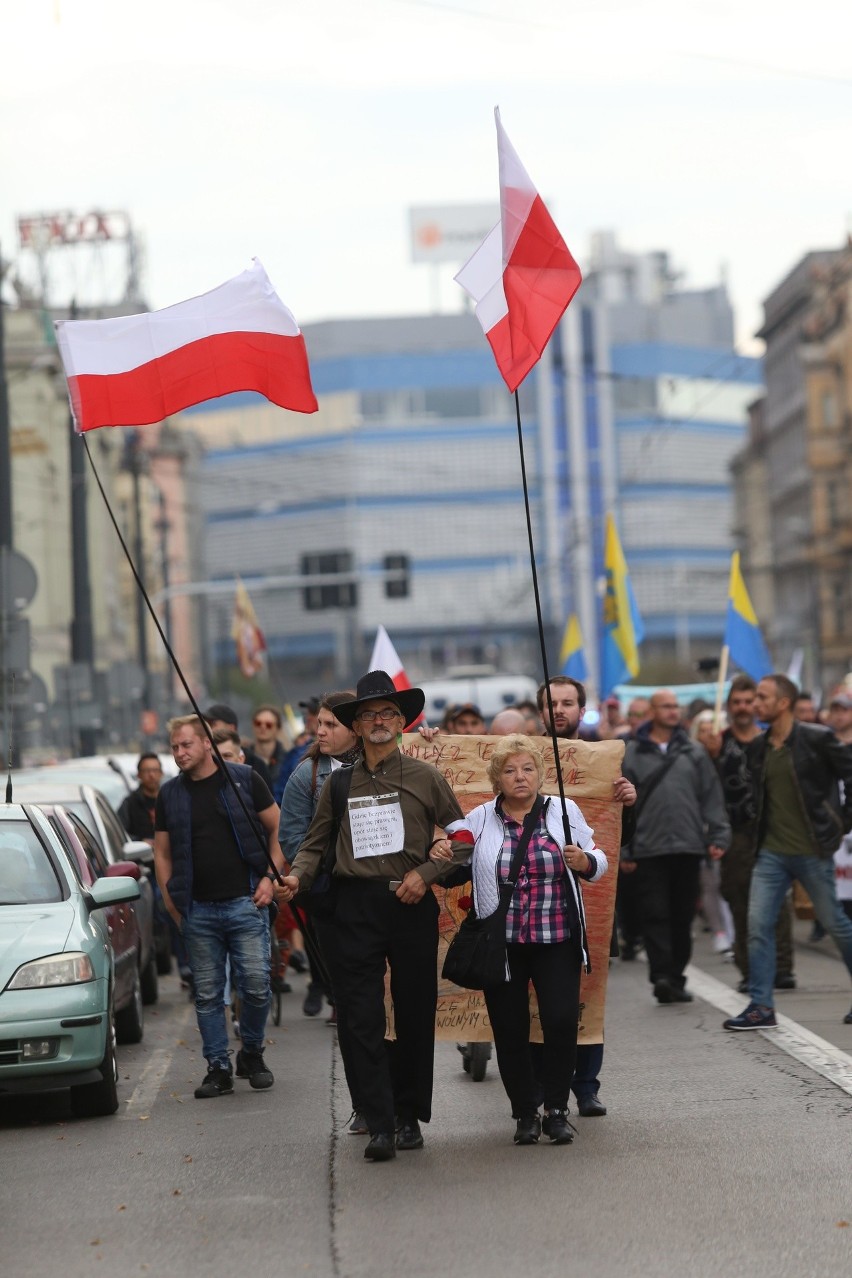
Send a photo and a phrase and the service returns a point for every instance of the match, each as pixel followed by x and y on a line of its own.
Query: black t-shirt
pixel 219 872
pixel 137 814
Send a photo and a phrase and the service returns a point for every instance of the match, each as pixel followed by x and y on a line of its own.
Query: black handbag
pixel 476 958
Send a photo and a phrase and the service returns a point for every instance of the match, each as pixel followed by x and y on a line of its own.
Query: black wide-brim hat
pixel 377 685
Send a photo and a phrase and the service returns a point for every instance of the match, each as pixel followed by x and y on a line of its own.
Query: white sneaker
pixel 721 943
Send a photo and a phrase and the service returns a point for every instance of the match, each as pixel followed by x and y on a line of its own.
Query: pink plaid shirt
pixel 539 908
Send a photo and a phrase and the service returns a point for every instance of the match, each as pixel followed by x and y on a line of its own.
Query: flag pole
pixel 566 825
pixel 720 686
pixel 310 941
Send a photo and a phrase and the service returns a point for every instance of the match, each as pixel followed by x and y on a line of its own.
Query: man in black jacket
pixel 136 813
pixel 796 768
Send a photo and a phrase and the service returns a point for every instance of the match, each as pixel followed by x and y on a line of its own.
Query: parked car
pixel 89 864
pixel 57 976
pixel 111 776
pixel 100 820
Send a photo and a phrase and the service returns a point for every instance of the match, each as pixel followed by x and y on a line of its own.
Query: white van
pixel 490 691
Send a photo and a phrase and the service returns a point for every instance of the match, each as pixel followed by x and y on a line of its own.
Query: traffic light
pixel 398 586
pixel 337 594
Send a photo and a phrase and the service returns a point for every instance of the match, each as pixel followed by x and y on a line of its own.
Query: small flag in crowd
pixel 138 369
pixel 572 658
pixel 385 657
pixel 742 631
pixel 247 634
pixel 522 276
pixel 622 625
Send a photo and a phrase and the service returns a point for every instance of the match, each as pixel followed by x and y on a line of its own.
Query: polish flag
pixel 385 657
pixel 522 276
pixel 138 369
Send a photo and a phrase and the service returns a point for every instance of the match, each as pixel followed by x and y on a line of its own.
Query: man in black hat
pixel 385 911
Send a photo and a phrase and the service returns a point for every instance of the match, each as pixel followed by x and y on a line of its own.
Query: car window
pixel 72 853
pixel 27 876
pixel 116 833
pixel 91 847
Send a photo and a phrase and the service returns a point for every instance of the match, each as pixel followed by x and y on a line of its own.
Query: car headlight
pixel 74 968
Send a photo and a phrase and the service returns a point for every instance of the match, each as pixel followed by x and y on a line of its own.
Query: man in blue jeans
pixel 212 855
pixel 803 792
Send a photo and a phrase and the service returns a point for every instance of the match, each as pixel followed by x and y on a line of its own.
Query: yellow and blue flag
pixel 622 626
pixel 572 658
pixel 742 631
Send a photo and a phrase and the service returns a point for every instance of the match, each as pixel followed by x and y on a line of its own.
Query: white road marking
pixel 820 1056
pixel 144 1094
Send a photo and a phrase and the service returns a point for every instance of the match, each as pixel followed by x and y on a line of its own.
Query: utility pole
pixel 163 527
pixel 82 633
pixel 134 458
pixel 6 525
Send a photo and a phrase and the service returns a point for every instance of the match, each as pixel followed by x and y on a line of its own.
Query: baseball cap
pixel 222 713
pixel 467 707
pixel 842 699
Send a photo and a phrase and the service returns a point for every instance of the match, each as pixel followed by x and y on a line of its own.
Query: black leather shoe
pixel 528 1130
pixel 380 1147
pixel 556 1126
pixel 785 982
pixel 663 991
pixel 742 987
pixel 409 1136
pixel 847 1020
pixel 680 995
pixel 591 1107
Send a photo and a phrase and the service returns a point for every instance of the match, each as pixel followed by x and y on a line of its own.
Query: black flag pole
pixel 566 824
pixel 310 940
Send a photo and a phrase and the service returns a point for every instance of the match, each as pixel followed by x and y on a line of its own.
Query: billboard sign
pixel 450 232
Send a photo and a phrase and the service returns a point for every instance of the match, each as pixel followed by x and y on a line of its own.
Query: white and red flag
pixel 138 369
pixel 522 276
pixel 385 657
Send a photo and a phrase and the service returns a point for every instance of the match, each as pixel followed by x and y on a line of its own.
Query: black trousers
pixel 666 895
pixel 325 932
pixel 555 974
pixel 373 928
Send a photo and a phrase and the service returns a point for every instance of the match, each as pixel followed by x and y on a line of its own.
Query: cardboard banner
pixel 589 771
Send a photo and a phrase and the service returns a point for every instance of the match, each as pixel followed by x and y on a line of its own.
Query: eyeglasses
pixel 265 723
pixel 369 715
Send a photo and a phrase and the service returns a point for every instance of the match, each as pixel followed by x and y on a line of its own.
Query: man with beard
pixel 568 697
pixel 730 752
pixel 385 913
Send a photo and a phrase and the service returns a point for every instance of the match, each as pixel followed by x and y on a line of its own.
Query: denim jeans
pixel 235 929
pixel 771 879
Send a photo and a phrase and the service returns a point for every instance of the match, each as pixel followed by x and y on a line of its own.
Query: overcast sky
pixel 301 131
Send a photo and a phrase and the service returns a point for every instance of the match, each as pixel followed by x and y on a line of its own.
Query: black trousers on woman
pixel 555 974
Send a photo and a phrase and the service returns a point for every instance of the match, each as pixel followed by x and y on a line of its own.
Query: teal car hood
pixel 29 932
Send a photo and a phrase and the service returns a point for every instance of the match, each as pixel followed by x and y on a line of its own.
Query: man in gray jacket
pixel 680 817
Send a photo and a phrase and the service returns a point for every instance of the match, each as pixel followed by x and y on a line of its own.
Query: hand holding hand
pixel 287 888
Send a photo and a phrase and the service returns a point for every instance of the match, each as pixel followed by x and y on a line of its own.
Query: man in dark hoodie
pixel 680 818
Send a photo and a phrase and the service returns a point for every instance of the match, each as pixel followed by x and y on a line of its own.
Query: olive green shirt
pixel 786 827
pixel 426 800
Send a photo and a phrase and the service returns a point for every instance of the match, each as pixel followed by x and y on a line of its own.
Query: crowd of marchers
pixel 325 855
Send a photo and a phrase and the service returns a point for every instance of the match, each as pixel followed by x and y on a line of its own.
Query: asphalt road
pixel 720 1154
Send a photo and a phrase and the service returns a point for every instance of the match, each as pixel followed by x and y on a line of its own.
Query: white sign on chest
pixel 376 825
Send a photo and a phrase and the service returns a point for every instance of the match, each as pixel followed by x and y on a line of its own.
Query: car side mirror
pixel 138 851
pixel 112 891
pixel 128 869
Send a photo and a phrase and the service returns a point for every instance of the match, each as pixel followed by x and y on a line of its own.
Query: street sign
pixel 15 646
pixel 18 581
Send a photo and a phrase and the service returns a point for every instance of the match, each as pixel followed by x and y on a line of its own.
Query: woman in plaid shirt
pixel 545 929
